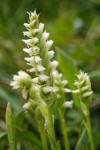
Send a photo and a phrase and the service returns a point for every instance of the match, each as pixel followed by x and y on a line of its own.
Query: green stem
pixel 65 136
pixel 43 135
pixel 51 131
pixel 89 130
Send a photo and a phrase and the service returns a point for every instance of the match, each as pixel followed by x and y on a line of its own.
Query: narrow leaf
pixel 10 128
pixel 83 141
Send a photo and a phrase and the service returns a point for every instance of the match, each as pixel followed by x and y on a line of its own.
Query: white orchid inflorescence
pixel 83 85
pixel 47 81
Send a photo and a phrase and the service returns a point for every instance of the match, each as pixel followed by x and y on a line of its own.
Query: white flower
pixel 45 35
pixel 41 27
pixel 33 59
pixel 54 64
pixel 35 50
pixel 49 44
pixel 55 89
pixel 31 70
pixel 28 50
pixel 50 54
pixel 50 89
pixel 47 89
pixel 66 90
pixel 21 80
pixel 40 68
pixel 43 77
pixel 31 42
pixel 64 82
pixel 32 51
pixel 35 80
pixel 33 15
pixel 86 94
pixel 68 104
pixel 27 33
pixel 27 105
pixel 32 23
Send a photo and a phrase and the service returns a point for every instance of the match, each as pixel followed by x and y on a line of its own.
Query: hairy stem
pixel 65 136
pixel 43 135
pixel 89 130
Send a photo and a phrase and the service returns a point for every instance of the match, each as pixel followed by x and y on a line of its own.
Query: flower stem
pixel 51 132
pixel 43 135
pixel 65 136
pixel 89 130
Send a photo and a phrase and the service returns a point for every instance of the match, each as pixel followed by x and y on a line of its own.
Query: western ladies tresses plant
pixel 43 86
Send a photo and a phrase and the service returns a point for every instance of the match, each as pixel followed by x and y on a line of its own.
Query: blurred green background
pixel 74 25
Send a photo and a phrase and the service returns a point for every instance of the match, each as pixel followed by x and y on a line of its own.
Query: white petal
pixel 37 59
pixel 68 104
pixel 43 77
pixel 40 68
pixel 35 80
pixel 87 94
pixel 49 44
pixel 64 82
pixel 84 88
pixel 27 105
pixel 27 25
pixel 47 89
pixel 41 27
pixel 30 59
pixel 45 35
pixel 28 50
pixel 75 91
pixel 67 90
pixel 31 70
pixel 55 89
pixel 35 50
pixel 54 64
pixel 50 54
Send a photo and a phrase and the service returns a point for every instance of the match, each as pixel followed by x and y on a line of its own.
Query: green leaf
pixel 83 141
pixel 2 136
pixel 69 70
pixel 30 137
pixel 12 99
pixel 10 123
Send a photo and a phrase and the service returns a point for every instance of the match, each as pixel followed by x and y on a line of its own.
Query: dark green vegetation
pixel 75 29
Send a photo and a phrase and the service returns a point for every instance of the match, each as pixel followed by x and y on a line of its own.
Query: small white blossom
pixel 45 35
pixel 54 64
pixel 31 70
pixel 50 54
pixel 32 23
pixel 75 91
pixel 66 90
pixel 40 68
pixel 47 89
pixel 43 77
pixel 28 50
pixel 41 27
pixel 49 44
pixel 68 104
pixel 55 89
pixel 27 105
pixel 20 80
pixel 64 82
pixel 31 42
pixel 35 80
pixel 87 94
